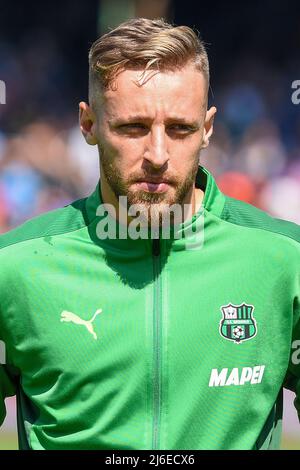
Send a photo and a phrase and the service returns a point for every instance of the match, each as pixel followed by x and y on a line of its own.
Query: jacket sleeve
pixel 8 380
pixel 9 374
pixel 292 379
pixel 7 389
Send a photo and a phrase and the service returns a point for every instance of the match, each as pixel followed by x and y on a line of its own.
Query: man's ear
pixel 208 126
pixel 87 122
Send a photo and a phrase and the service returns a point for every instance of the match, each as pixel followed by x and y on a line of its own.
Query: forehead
pixel 180 91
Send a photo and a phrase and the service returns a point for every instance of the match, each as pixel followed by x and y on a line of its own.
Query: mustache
pixel 153 178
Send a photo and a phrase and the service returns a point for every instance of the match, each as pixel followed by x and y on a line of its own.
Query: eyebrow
pixel 140 117
pixel 134 117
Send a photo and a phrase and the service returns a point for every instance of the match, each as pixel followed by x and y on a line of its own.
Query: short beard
pixel 152 208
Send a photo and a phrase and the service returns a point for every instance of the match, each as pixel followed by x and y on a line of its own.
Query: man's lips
pixel 153 186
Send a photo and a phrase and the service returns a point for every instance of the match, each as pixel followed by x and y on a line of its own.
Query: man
pixel 179 339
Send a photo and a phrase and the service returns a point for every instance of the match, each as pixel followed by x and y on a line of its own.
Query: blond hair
pixel 146 44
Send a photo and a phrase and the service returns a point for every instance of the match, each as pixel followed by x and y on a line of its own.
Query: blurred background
pixel 254 52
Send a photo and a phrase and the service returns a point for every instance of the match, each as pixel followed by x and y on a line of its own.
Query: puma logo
pixel 72 317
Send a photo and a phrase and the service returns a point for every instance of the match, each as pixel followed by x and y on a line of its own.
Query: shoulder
pixel 66 219
pixel 246 215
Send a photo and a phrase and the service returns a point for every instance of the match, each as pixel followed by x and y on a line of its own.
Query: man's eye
pixel 134 125
pixel 181 128
pixel 134 129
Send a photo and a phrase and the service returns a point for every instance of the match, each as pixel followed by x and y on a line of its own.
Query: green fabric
pixel 155 368
pixel 240 213
pixel 56 222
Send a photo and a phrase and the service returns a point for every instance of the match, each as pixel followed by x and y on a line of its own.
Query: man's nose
pixel 157 151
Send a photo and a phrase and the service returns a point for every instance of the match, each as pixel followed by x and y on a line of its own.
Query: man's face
pixel 150 136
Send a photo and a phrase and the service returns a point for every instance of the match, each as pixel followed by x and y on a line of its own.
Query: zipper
pixel 156 343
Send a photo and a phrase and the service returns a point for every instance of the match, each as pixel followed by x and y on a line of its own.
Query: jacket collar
pixel 190 230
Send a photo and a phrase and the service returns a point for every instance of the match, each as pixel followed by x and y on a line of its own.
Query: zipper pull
pixel 155 247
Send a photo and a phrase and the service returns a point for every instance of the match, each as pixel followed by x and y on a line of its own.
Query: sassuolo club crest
pixel 238 324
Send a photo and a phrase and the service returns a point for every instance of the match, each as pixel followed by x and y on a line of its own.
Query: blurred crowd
pixel 255 151
pixel 42 168
pixel 45 162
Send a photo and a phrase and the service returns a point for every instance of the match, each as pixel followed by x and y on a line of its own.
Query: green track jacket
pixel 179 343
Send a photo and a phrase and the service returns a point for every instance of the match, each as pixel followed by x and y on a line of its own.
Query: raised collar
pixel 213 202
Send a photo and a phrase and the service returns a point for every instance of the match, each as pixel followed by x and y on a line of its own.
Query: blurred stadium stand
pixel 255 153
